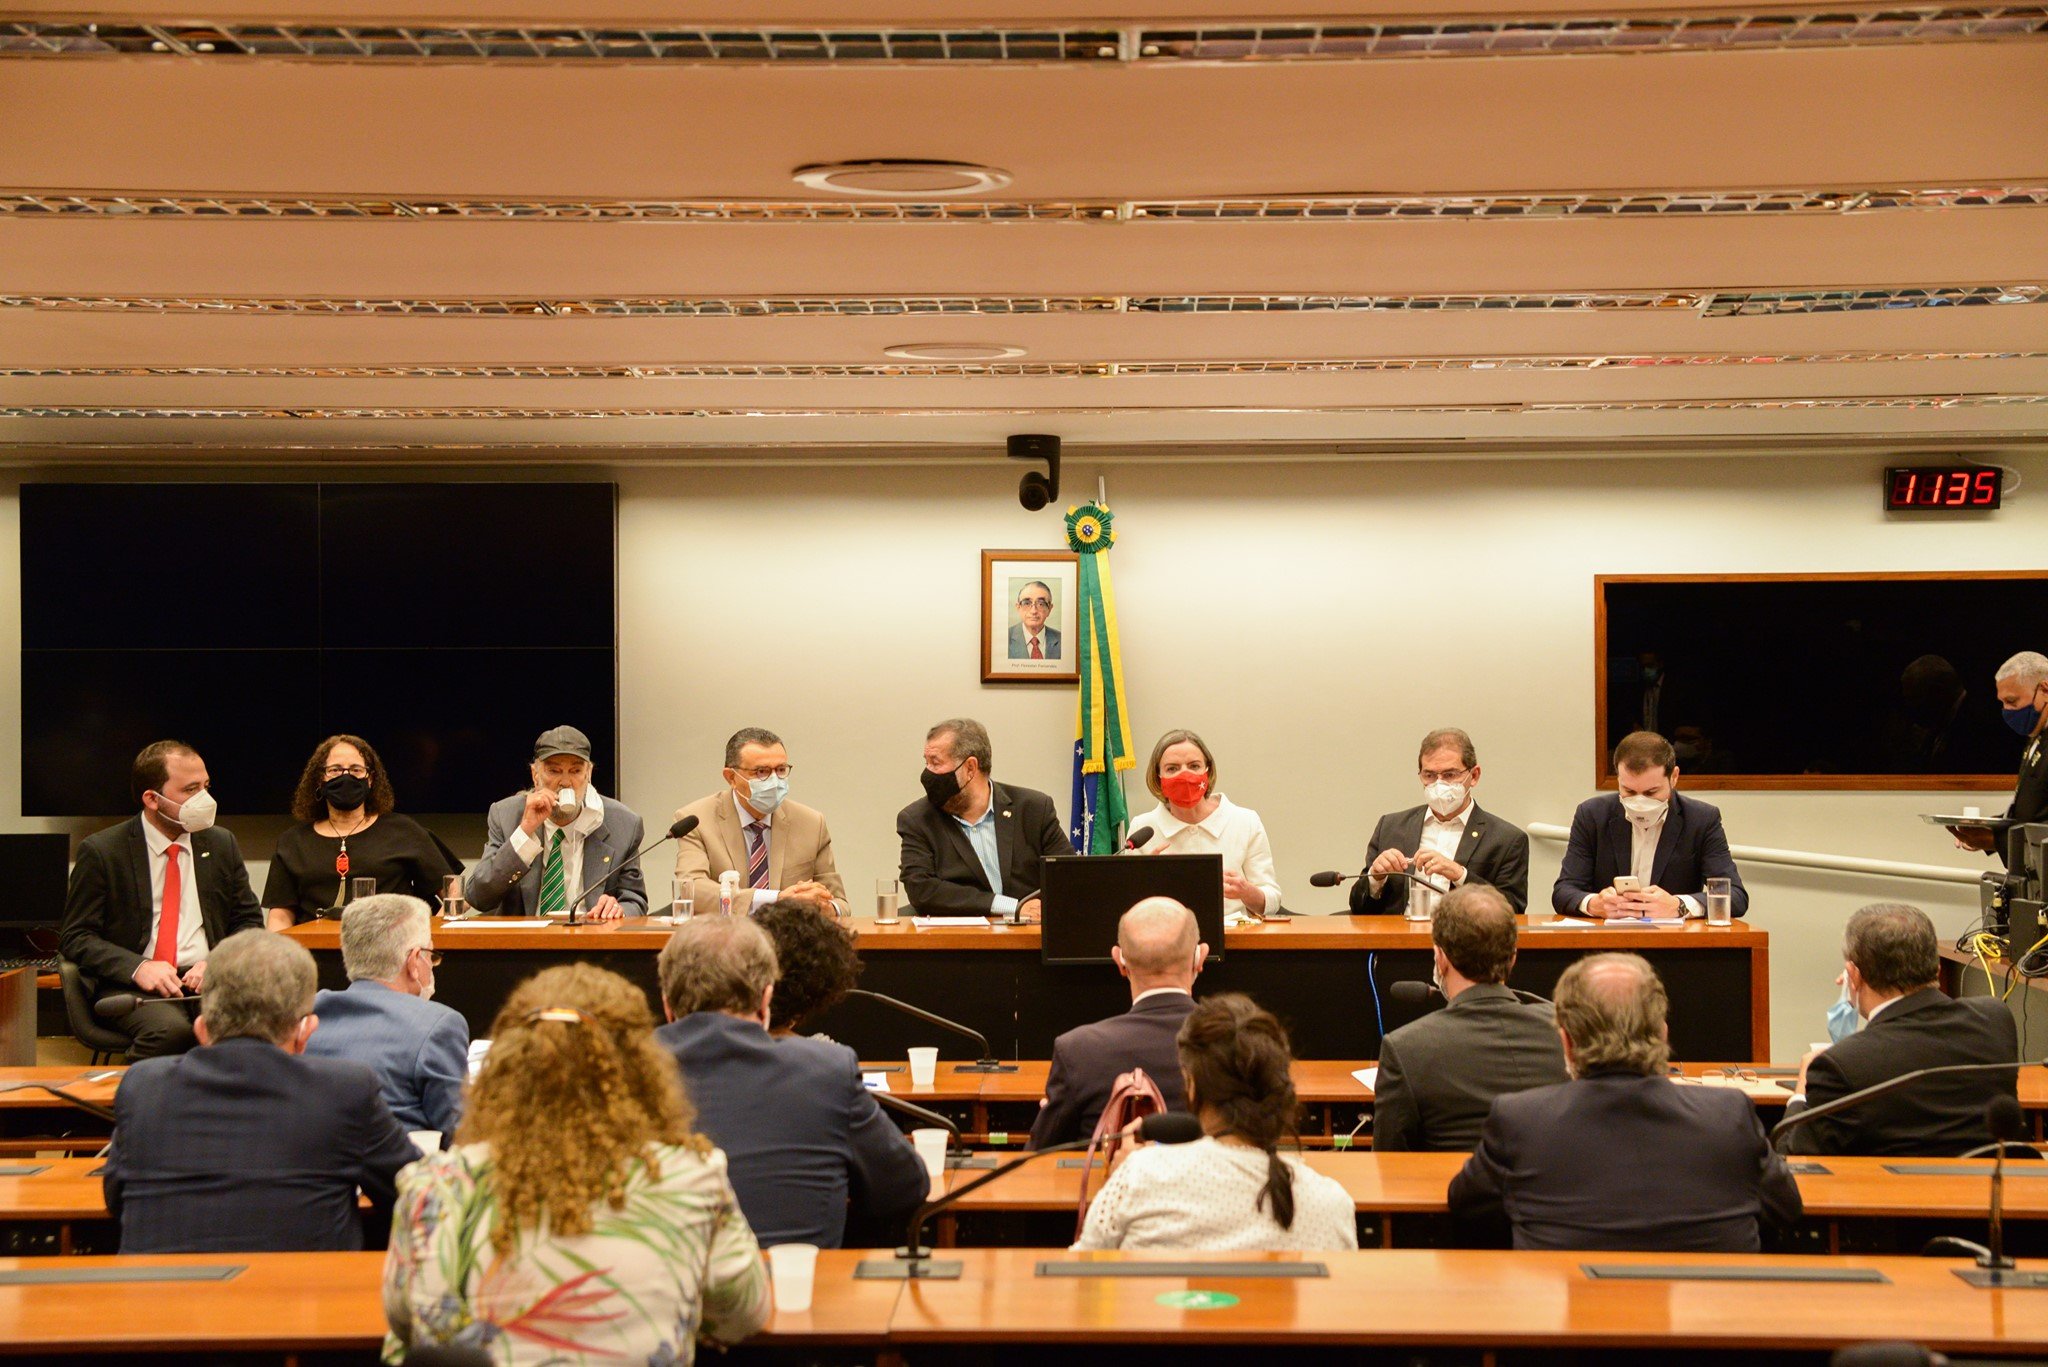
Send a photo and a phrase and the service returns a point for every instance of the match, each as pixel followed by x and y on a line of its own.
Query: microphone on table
pixel 2005 1123
pixel 127 1003
pixel 987 1063
pixel 913 1261
pixel 1415 992
pixel 1890 1084
pixel 675 832
pixel 1330 878
pixel 1139 837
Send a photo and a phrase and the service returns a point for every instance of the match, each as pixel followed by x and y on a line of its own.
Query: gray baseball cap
pixel 563 740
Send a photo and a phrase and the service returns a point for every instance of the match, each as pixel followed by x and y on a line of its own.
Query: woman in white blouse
pixel 1194 817
pixel 1231 1189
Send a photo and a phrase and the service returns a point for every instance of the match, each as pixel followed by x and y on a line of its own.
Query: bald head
pixel 1157 945
pixel 1612 1010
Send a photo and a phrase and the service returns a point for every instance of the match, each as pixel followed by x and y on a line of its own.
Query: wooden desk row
pixel 302 1302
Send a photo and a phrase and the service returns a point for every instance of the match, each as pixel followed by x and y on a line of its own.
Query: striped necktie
pixel 757 854
pixel 554 894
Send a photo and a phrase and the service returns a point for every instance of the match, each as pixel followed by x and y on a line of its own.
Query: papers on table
pixel 875 1082
pixel 525 922
pixel 1369 1078
pixel 1581 923
pixel 937 922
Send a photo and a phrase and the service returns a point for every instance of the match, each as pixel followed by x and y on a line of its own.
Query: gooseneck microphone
pixel 1330 878
pixel 987 1063
pixel 2006 1124
pixel 121 1004
pixel 675 832
pixel 1138 838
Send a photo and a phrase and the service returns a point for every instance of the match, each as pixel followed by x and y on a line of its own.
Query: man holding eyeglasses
pixel 560 841
pixel 780 849
pixel 1447 839
pixel 1031 638
pixel 388 1021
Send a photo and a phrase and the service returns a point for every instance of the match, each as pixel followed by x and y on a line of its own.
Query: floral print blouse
pixel 676 1261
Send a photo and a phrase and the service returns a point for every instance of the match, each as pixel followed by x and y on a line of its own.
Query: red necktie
pixel 167 924
pixel 1036 653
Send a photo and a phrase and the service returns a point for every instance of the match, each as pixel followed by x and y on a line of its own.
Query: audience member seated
pixel 387 1019
pixel 1232 1189
pixel 1158 949
pixel 1622 1157
pixel 1669 844
pixel 1194 817
pixel 1891 963
pixel 245 1145
pixel 348 828
pixel 815 958
pixel 972 846
pixel 1439 1075
pixel 1448 838
pixel 579 1218
pixel 149 897
pixel 802 1134
pixel 781 850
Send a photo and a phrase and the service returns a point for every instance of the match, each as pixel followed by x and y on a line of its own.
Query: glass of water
pixel 1720 901
pixel 452 904
pixel 684 905
pixel 359 888
pixel 888 901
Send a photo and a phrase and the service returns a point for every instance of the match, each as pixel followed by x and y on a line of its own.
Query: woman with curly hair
pixel 348 830
pixel 818 965
pixel 578 1218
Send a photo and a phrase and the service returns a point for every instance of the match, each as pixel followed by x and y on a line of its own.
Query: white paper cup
pixel 428 1142
pixel 931 1147
pixel 1971 811
pixel 924 1067
pixel 793 1268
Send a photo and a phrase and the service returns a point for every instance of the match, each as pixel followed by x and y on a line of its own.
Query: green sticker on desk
pixel 1195 1300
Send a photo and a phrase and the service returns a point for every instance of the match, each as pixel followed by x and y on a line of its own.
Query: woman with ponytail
pixel 578 1217
pixel 1232 1189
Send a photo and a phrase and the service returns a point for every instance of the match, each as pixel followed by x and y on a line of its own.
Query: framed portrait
pixel 1027 616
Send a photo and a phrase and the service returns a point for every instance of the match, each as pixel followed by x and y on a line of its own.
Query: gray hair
pixel 745 736
pixel 258 985
pixel 1612 1008
pixel 2029 667
pixel 378 932
pixel 970 741
pixel 1448 737
pixel 716 963
pixel 1893 947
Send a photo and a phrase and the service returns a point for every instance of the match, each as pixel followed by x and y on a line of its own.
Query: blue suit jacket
pixel 1691 849
pixel 801 1135
pixel 419 1050
pixel 499 882
pixel 240 1147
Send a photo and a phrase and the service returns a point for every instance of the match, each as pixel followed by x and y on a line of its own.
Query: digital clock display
pixel 1931 488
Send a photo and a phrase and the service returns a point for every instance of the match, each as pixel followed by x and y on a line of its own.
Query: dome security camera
pixel 1037 490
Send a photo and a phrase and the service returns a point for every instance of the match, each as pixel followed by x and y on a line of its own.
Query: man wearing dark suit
pixel 246 1145
pixel 2022 684
pixel 972 846
pixel 540 853
pixel 802 1137
pixel 1447 838
pixel 1621 1157
pixel 150 897
pixel 1671 844
pixel 1158 948
pixel 1891 964
pixel 1439 1075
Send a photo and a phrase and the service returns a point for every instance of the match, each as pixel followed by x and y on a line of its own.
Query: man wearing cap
pixel 546 845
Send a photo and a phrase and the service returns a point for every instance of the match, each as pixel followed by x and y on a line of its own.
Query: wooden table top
pixel 1355 933
pixel 72 1078
pixel 61 1191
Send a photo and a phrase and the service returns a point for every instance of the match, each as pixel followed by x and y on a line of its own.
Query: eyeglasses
pixel 1034 602
pixel 337 770
pixel 1444 775
pixel 433 955
pixel 779 771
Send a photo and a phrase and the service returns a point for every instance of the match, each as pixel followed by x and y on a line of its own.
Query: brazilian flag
pixel 1102 726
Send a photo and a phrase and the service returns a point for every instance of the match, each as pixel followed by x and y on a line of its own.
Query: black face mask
pixel 939 789
pixel 345 792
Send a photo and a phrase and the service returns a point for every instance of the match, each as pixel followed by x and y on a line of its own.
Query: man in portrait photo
pixel 1031 638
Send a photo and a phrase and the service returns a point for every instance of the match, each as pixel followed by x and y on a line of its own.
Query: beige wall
pixel 1310 619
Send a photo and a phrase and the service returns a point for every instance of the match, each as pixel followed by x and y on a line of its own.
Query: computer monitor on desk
pixel 1084 895
pixel 33 871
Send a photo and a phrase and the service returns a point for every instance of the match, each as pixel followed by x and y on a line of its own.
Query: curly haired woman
pixel 578 1218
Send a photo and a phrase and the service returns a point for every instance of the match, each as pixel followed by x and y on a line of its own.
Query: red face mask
pixel 1185 789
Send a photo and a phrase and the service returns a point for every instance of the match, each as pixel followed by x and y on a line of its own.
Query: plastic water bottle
pixel 728 891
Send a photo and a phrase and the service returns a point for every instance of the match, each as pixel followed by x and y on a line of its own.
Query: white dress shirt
pixel 1232 831
pixel 531 847
pixel 1205 1195
pixel 192 946
pixel 1440 834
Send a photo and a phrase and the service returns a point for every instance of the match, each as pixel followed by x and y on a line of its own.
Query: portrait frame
pixel 1004 632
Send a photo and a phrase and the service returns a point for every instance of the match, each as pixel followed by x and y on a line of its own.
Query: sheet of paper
pixel 529 922
pixel 1369 1078
pixel 1568 921
pixel 933 922
pixel 1646 920
pixel 875 1082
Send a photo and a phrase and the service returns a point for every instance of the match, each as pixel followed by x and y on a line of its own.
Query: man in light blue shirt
pixel 418 1048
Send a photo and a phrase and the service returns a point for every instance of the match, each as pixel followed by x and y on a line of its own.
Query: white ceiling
pixel 1885 116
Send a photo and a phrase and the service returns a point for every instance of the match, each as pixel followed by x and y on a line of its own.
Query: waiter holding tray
pixel 2022 684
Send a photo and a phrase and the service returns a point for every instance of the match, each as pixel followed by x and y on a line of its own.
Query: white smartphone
pixel 1628 882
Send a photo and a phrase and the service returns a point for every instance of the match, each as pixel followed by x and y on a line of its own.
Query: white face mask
pixel 195 814
pixel 1444 799
pixel 1644 811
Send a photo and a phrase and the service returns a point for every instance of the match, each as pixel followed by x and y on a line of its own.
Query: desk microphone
pixel 1330 878
pixel 988 1062
pixel 675 832
pixel 2006 1124
pixel 1139 837
pixel 127 1003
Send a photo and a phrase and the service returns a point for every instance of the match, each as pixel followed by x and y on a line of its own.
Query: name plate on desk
pixel 60 1276
pixel 1201 1271
pixel 1810 1170
pixel 1684 1272
pixel 2025 1169
pixel 22 1169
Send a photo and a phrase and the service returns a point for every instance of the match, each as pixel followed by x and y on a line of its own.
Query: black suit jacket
pixel 1691 849
pixel 1934 1117
pixel 1624 1161
pixel 240 1147
pixel 1439 1075
pixel 1087 1059
pixel 2030 792
pixel 941 873
pixel 107 908
pixel 1492 850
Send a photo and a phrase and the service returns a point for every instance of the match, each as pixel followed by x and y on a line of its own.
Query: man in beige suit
pixel 780 849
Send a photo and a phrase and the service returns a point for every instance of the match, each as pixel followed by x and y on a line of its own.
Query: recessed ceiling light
pixel 952 351
pixel 902 178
